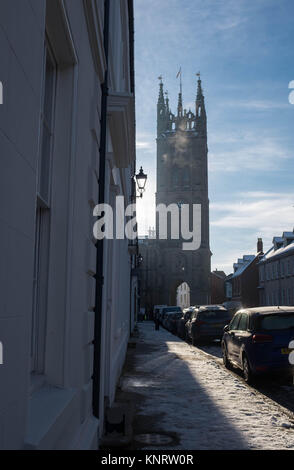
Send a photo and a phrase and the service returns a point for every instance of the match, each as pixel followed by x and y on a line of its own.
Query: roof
pixel 268 310
pixel 278 252
pixel 243 264
pixel 220 274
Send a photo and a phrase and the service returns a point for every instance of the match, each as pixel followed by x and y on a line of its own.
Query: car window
pixel 243 323
pixel 235 321
pixel 277 322
pixel 213 314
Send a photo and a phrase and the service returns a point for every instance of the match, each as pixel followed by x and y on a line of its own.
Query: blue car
pixel 257 340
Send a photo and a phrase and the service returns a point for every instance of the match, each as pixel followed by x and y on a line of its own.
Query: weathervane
pixel 198 75
pixel 160 78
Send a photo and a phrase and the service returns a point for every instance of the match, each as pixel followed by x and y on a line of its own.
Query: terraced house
pixel 276 272
pixel 67 143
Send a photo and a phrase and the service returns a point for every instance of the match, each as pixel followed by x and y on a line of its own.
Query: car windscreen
pixel 277 322
pixel 213 315
pixel 172 309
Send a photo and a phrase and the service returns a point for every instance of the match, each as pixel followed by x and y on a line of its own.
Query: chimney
pixel 259 245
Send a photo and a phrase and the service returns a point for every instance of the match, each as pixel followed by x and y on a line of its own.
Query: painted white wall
pixel 56 413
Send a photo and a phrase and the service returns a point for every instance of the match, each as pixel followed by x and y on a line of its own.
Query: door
pixel 240 337
pixel 230 340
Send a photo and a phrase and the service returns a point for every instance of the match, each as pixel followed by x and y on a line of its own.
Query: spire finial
pixel 160 97
pixel 180 102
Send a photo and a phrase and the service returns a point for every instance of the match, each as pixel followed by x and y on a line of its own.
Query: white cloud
pixel 262 213
pixel 257 105
pixel 265 153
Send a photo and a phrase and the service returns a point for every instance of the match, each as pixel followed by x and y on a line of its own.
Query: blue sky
pixel 245 52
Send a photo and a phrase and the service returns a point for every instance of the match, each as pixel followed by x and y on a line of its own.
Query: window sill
pixel 50 408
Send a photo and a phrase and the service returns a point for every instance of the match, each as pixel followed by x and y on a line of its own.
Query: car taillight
pixel 262 338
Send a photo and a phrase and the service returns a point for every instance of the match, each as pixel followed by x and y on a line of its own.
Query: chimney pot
pixel 259 245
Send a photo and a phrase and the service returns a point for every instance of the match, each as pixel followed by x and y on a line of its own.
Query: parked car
pixel 257 340
pixel 207 323
pixel 172 321
pixel 165 310
pixel 187 313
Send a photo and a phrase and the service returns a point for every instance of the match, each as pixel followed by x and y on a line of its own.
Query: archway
pixel 177 289
pixel 183 295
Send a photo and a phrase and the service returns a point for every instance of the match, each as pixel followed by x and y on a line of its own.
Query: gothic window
pixel 176 176
pixel 186 177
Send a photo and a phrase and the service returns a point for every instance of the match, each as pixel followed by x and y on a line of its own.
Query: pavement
pixel 183 399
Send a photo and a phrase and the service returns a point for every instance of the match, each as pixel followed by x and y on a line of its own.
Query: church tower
pixel 182 179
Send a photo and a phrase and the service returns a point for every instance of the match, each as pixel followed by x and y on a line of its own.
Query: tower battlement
pixel 183 120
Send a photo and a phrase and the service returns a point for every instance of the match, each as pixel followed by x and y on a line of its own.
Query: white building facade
pixel 67 143
pixel 276 272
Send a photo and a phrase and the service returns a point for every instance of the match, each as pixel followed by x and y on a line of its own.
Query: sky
pixel 244 50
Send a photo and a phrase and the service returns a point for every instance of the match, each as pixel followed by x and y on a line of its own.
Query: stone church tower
pixel 181 179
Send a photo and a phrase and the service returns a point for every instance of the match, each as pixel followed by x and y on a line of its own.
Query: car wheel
pixel 248 376
pixel 226 360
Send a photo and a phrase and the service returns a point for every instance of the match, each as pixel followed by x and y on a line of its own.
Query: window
pixel 277 322
pixel 176 176
pixel 288 296
pixel 42 220
pixel 186 177
pixel 235 321
pixel 243 324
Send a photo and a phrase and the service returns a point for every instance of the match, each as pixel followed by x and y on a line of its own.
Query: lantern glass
pixel 141 180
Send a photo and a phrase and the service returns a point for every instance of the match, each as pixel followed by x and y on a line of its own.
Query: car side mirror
pixel 226 328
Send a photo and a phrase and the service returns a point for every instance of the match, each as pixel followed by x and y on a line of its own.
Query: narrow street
pixel 185 395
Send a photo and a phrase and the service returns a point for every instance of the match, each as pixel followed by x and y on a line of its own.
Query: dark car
pixel 207 323
pixel 165 310
pixel 187 313
pixel 172 321
pixel 257 340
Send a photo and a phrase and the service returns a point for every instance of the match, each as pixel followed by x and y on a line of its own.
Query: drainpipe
pixel 99 245
pixel 132 89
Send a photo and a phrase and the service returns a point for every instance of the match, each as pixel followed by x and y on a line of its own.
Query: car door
pixel 240 337
pixel 230 339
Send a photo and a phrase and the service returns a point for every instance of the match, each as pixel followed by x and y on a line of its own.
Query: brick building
pixel 245 278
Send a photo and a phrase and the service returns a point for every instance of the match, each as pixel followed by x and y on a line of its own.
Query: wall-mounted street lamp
pixel 141 179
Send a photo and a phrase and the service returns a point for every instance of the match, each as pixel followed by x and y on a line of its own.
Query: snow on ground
pixel 196 398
